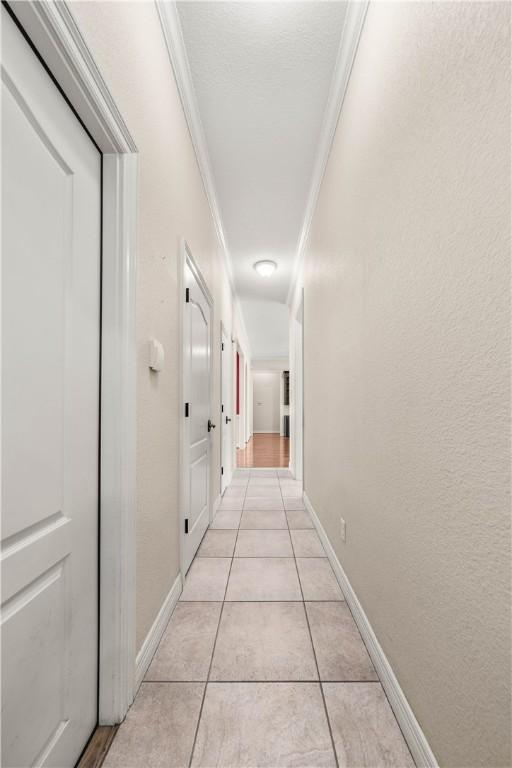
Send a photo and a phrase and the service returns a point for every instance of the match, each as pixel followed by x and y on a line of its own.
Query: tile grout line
pixel 251 682
pixel 213 649
pixel 280 600
pixel 313 648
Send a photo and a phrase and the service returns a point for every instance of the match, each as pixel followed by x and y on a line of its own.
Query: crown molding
pixel 173 36
pixel 57 38
pixel 352 28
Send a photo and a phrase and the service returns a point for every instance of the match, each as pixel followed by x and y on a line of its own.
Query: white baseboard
pixel 265 432
pixel 414 736
pixel 216 504
pixel 154 635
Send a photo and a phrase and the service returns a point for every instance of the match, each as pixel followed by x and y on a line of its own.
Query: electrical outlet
pixel 343 529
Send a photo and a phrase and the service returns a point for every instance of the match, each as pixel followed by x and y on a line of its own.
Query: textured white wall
pixel 407 278
pixel 270 364
pixel 127 43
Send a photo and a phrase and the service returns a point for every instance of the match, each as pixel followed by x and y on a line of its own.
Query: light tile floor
pixel 261 663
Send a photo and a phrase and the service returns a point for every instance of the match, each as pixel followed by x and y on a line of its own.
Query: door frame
pixel 186 259
pixel 297 389
pixel 224 334
pixel 54 33
pixel 241 436
pixel 273 372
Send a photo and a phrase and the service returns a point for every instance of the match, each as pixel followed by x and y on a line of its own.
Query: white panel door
pixel 51 200
pixel 196 384
pixel 226 414
pixel 266 388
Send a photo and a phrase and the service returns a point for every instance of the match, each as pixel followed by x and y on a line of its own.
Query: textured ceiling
pixel 261 72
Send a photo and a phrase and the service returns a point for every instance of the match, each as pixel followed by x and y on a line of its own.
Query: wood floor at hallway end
pixel 264 449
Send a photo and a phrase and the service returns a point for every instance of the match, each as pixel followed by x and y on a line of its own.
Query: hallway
pixel 223 223
pixel 261 663
pixel 265 450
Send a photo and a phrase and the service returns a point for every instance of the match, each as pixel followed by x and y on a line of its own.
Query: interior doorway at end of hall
pixel 269 445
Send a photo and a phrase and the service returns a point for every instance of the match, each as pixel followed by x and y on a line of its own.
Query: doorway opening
pixel 269 443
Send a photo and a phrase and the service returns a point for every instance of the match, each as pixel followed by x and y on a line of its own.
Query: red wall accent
pixel 237 384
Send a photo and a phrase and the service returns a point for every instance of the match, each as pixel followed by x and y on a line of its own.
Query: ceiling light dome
pixel 265 268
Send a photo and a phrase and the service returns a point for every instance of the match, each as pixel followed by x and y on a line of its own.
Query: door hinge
pixel 222 409
pixel 222 346
pixel 222 470
pixel 186 525
pixel 187 410
pixel 187 295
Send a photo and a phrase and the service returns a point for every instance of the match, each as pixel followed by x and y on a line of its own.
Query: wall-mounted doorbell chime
pixel 156 355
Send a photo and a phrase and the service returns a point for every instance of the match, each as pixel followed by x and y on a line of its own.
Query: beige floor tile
pixel 235 503
pixel 263 578
pixel 258 504
pixel 264 482
pixel 285 474
pixel 293 504
pixel 263 491
pixel 263 473
pixel 266 520
pixel 226 519
pixel 239 482
pixel 159 728
pixel 234 492
pixel 241 473
pixel 364 728
pixel 307 544
pixel 217 544
pixel 263 641
pixel 252 543
pixel 186 647
pixel 292 491
pixel 267 725
pixel 340 651
pixel 206 579
pixel 299 519
pixel 317 579
pixel 290 483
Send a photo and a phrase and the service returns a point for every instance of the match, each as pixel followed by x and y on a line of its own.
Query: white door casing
pixel 240 425
pixel 51 211
pixel 226 414
pixel 296 393
pixel 196 405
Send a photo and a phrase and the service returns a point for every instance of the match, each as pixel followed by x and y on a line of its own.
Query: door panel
pixel 196 382
pixel 51 199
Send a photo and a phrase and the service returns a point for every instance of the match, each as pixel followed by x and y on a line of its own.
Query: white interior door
pixel 197 435
pixel 226 415
pixel 266 388
pixel 51 200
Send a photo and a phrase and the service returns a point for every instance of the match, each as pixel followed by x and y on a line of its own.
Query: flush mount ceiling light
pixel 265 268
